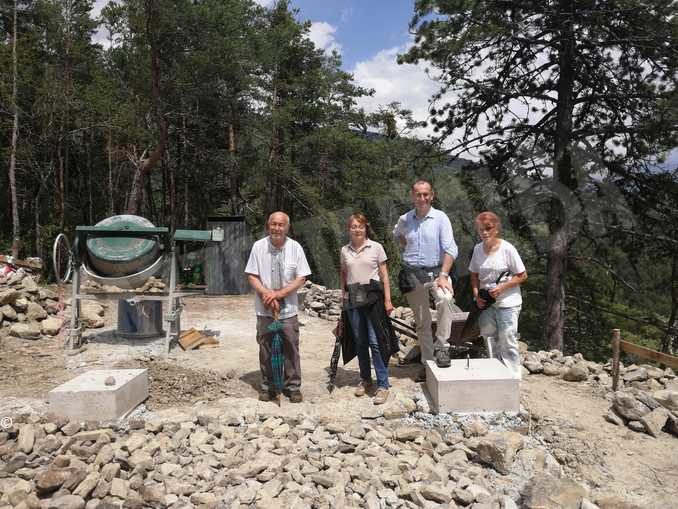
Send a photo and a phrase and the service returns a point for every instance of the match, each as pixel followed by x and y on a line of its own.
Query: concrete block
pixel 486 385
pixel 88 398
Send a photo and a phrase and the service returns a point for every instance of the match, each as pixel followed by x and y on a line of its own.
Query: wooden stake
pixel 616 340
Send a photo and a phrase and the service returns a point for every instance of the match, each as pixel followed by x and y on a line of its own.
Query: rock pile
pixel 646 402
pixel 320 302
pixel 30 311
pixel 257 457
pixel 27 310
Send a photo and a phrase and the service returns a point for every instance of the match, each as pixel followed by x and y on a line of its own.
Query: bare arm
pixel 383 275
pixel 475 283
pixel 267 295
pixel 516 280
pixel 292 287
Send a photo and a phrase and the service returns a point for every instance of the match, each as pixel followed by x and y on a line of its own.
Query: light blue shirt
pixel 428 239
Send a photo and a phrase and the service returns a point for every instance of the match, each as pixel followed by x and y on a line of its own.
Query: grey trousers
pixel 290 343
pixel 418 299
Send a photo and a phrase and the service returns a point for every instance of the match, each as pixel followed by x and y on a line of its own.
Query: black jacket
pixel 376 312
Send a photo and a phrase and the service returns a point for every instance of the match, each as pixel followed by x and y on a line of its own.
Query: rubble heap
pixel 646 399
pixel 27 310
pixel 249 454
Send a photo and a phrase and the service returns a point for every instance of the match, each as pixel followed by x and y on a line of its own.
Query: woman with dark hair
pixel 367 303
pixel 497 272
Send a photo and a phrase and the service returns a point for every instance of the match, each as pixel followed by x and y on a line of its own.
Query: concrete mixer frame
pixel 173 310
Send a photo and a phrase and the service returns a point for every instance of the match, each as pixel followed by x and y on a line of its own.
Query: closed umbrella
pixel 277 356
pixel 336 353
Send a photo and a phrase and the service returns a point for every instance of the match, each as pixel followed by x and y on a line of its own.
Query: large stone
pixel 26 438
pixel 533 366
pixel 29 285
pixel 635 375
pixel 51 326
pixel 655 421
pixel 9 312
pixel 667 398
pixel 626 405
pixel 51 479
pixel 436 493
pixel 499 449
pixel 486 385
pixel 26 330
pixel 92 314
pixel 550 369
pixel 19 492
pixel 87 397
pixel 21 304
pixel 554 493
pixel 8 296
pixel 577 373
pixel 35 312
pixel 46 293
pixel 87 485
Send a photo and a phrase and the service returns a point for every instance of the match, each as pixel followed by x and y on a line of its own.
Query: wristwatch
pixel 445 274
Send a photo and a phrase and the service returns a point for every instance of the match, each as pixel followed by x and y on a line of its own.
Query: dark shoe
pixel 295 396
pixel 442 356
pixel 421 376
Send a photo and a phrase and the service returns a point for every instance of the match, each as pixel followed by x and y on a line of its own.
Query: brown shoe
pixel 266 395
pixel 380 397
pixel 363 388
pixel 295 396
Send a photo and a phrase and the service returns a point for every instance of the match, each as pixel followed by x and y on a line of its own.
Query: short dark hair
pixel 422 181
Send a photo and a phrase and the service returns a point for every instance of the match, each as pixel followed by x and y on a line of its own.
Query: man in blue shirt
pixel 428 252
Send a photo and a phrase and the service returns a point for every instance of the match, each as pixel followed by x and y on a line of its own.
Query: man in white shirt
pixel 276 269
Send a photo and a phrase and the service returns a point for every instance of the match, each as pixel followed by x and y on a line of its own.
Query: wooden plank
pixel 646 353
pixel 191 339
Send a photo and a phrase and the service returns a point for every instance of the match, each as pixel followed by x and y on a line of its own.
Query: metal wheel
pixel 62 258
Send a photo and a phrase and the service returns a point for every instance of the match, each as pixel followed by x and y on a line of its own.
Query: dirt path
pixel 568 418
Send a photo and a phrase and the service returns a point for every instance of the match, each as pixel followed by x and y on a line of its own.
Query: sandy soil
pixel 566 417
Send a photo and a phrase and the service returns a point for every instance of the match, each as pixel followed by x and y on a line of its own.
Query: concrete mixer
pixel 120 254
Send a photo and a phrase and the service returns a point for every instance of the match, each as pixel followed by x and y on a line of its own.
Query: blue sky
pixel 363 28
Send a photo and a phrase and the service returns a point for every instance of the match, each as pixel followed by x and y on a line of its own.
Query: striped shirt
pixel 277 268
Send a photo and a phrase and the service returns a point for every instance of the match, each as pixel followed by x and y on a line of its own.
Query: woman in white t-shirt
pixel 496 267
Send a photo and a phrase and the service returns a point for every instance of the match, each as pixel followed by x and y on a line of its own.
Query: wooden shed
pixel 225 261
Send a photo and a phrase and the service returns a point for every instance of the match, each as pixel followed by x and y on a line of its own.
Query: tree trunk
pixel 670 340
pixel 16 237
pixel 563 175
pixel 234 176
pixel 146 164
pixel 273 155
pixel 109 151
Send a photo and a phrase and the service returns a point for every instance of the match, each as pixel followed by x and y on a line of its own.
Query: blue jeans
pixel 366 340
pixel 500 327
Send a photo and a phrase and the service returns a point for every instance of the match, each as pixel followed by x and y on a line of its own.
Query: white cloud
pixel 322 35
pixel 265 3
pixel 407 84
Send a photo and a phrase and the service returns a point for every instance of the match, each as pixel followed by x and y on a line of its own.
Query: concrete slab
pixel 486 385
pixel 88 398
